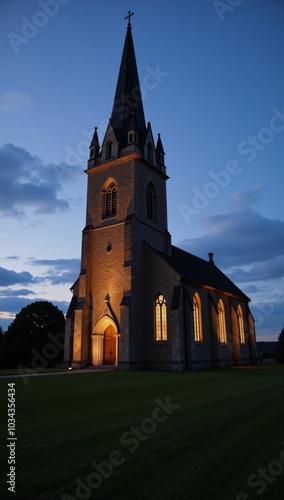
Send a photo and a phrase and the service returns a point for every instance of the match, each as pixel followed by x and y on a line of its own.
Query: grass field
pixel 191 436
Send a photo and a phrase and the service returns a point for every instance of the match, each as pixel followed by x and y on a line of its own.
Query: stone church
pixel 141 303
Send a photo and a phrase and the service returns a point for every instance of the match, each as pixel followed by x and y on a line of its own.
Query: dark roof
pixel 95 142
pixel 159 146
pixel 198 271
pixel 127 112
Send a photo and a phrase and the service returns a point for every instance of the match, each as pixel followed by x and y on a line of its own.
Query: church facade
pixel 140 302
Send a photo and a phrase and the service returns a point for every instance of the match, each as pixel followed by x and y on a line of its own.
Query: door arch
pixel 105 342
pixel 109 357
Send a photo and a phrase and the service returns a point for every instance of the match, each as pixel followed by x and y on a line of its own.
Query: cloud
pixel 260 271
pixel 245 199
pixel 59 271
pixel 27 183
pixel 15 304
pixel 55 263
pixel 9 277
pixel 238 239
pixel 12 102
pixel 268 315
pixel 9 292
pixel 251 289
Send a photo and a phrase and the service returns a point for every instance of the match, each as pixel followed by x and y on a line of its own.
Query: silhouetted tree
pixel 279 353
pixel 33 334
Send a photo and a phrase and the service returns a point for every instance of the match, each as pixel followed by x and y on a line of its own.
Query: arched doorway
pixel 105 342
pixel 109 346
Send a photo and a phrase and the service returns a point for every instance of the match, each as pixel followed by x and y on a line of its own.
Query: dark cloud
pixel 251 289
pixel 68 277
pixel 239 239
pixel 26 182
pixel 59 271
pixel 13 305
pixel 260 271
pixel 56 263
pixel 9 292
pixel 268 315
pixel 9 277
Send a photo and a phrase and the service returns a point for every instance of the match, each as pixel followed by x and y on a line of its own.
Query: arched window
pixel 151 202
pixel 110 196
pixel 222 323
pixel 150 152
pixel 241 325
pixel 197 318
pixel 109 149
pixel 160 319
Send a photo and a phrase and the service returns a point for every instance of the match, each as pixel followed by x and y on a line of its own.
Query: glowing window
pixel 197 318
pixel 241 325
pixel 160 319
pixel 222 323
pixel 151 202
pixel 110 200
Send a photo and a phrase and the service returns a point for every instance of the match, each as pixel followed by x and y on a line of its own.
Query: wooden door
pixel 109 346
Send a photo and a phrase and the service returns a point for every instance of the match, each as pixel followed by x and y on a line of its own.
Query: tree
pixel 40 317
pixel 279 353
pixel 34 328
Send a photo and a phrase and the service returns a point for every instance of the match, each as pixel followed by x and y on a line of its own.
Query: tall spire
pixel 127 112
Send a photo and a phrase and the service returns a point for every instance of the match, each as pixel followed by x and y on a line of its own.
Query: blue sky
pixel 212 79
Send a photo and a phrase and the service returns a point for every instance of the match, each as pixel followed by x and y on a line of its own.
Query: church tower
pixel 126 208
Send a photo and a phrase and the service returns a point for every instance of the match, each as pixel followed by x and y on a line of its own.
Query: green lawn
pixel 227 428
pixel 15 371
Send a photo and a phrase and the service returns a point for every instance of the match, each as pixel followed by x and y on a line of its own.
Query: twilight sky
pixel 211 74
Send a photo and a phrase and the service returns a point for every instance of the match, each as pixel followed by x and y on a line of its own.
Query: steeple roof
pixel 95 143
pixel 159 146
pixel 127 112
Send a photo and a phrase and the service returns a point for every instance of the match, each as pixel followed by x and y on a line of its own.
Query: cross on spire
pixel 129 16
